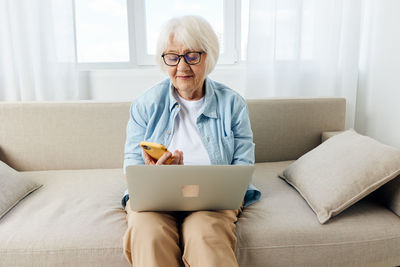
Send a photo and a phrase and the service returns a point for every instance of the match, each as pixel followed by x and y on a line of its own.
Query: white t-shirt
pixel 186 136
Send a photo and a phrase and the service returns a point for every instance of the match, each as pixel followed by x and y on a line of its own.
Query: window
pixel 101 31
pixel 123 33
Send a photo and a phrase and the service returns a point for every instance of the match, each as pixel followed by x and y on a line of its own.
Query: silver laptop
pixel 187 187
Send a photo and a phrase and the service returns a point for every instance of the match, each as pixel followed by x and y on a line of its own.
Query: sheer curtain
pixel 37 50
pixel 304 48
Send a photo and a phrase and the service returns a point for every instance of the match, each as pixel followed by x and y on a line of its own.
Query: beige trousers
pixel 206 238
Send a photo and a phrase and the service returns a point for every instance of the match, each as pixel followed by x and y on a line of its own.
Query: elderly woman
pixel 203 122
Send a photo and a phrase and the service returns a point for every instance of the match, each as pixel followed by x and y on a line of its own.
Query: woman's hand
pixel 178 158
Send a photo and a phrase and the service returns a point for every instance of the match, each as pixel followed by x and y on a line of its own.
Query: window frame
pixel 137 31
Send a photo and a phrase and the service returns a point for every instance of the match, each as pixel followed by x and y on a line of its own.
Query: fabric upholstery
pixel 13 188
pixel 75 219
pixel 91 135
pixel 282 230
pixel 61 225
pixel 326 135
pixel 388 194
pixel 63 135
pixel 285 129
pixel 341 171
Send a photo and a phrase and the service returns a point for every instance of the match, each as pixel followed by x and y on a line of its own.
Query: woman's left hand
pixel 177 160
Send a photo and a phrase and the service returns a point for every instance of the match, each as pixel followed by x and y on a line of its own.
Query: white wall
pixel 378 96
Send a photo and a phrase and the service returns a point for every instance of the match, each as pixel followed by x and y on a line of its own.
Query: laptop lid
pixel 187 187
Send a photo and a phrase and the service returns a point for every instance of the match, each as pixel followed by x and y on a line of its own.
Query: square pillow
pixel 388 194
pixel 341 171
pixel 13 188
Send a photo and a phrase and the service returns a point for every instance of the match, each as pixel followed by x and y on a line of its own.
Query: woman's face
pixel 187 79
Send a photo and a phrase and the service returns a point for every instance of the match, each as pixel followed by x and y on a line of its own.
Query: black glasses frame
pixel 184 58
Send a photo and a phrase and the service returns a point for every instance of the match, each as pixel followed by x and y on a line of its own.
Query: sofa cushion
pixel 341 171
pixel 75 219
pixel 281 230
pixel 13 188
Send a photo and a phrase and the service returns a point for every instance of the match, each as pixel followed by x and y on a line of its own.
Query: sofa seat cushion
pixel 282 230
pixel 74 219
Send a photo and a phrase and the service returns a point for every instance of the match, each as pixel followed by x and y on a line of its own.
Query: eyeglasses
pixel 191 58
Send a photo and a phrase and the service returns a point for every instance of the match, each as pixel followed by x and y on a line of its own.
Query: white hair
pixel 192 31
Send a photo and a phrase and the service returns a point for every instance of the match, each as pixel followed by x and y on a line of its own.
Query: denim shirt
pixel 224 127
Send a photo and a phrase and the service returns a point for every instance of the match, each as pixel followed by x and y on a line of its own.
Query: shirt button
pixel 168 132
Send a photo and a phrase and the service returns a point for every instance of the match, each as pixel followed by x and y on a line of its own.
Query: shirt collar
pixel 210 101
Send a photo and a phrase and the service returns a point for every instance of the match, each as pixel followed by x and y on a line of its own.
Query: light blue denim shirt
pixel 224 127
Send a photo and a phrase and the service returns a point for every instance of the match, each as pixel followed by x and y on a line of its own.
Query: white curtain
pixel 37 51
pixel 304 48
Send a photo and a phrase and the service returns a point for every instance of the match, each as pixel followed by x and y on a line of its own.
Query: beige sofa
pixel 75 219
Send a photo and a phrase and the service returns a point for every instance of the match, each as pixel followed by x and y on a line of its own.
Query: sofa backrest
pixel 285 129
pixel 91 135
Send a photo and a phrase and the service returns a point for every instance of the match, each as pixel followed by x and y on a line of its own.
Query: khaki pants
pixel 206 238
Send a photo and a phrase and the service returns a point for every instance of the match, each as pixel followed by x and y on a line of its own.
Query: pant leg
pixel 152 239
pixel 209 239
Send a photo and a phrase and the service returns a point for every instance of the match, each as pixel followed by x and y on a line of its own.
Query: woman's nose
pixel 182 65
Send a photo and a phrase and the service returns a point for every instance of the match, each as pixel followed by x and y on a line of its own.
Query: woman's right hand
pixel 178 158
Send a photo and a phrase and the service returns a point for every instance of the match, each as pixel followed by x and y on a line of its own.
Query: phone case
pixel 155 150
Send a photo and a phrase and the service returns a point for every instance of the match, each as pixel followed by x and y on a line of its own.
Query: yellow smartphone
pixel 155 150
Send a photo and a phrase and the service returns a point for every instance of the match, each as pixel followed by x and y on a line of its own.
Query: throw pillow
pixel 388 194
pixel 13 188
pixel 341 171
